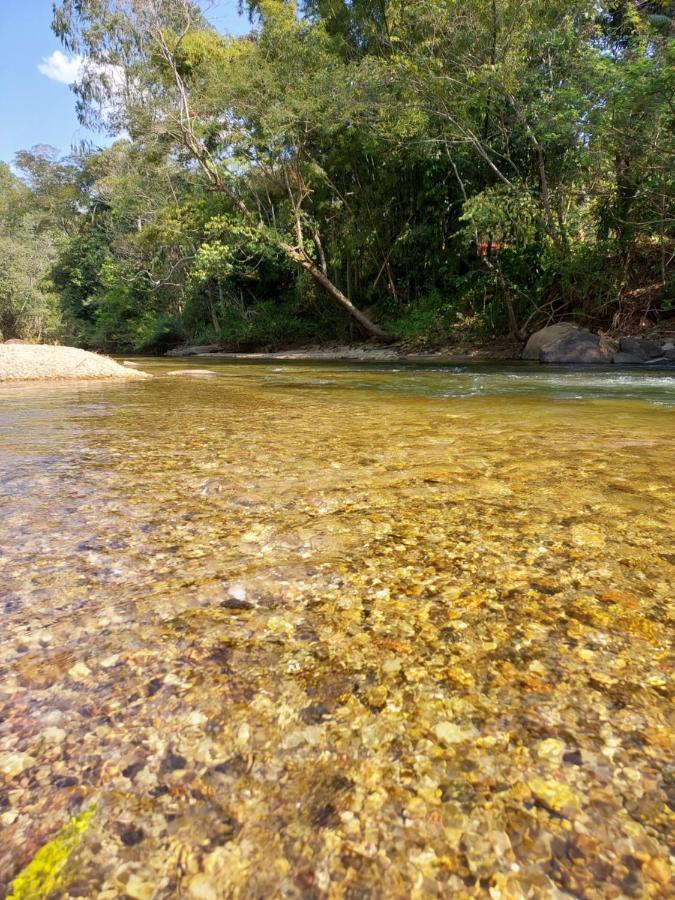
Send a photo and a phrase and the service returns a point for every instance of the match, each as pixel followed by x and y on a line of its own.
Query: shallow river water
pixel 337 631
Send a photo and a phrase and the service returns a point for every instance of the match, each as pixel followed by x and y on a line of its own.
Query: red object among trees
pixel 489 248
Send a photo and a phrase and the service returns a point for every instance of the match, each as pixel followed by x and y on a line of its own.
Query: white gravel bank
pixel 40 362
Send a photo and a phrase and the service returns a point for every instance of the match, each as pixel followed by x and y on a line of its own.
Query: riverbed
pixel 337 630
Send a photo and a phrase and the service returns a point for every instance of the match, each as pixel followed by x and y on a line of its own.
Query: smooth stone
pixel 79 671
pixel 138 889
pixel 644 348
pixel 234 603
pixel 579 347
pixel 13 764
pixel 573 758
pixel 551 750
pixel 628 359
pixel 450 733
pixel 556 796
pixel 659 869
pixel 201 887
pixel 545 336
pixel 54 735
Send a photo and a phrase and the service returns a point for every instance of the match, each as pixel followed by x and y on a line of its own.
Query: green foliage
pixel 267 325
pixel 29 306
pixel 158 333
pixel 452 166
pixel 508 215
pixel 431 317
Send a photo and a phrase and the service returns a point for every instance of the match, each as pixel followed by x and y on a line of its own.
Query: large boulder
pixel 577 348
pixel 623 358
pixel 546 336
pixel 645 349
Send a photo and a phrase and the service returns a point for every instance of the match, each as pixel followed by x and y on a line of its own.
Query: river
pixel 337 630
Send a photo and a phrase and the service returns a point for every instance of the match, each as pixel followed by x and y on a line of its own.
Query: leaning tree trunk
pixel 296 254
pixel 185 135
pixel 299 255
pixel 333 291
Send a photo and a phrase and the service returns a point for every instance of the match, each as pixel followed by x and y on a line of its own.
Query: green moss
pixel 46 871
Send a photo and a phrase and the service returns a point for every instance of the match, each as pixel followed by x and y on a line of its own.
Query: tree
pixel 29 306
pixel 185 84
pixel 635 127
pixel 519 95
pixel 444 165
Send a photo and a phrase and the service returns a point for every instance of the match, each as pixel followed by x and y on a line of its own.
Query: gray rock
pixel 194 350
pixel 544 336
pixel 579 347
pixel 628 359
pixel 638 347
pixel 669 353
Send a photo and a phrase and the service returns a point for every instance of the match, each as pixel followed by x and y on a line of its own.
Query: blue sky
pixel 38 108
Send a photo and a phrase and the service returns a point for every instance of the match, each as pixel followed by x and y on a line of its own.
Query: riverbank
pixel 41 362
pixel 564 344
pixel 500 349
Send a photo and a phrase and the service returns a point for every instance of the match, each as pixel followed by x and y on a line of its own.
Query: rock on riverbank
pixel 39 362
pixel 568 344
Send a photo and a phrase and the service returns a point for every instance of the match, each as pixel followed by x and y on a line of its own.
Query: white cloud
pixel 60 67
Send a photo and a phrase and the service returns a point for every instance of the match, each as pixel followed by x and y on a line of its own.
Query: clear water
pixel 312 630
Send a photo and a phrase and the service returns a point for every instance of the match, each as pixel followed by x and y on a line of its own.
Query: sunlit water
pixel 338 631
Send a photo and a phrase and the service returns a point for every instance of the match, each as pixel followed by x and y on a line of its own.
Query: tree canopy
pixel 419 169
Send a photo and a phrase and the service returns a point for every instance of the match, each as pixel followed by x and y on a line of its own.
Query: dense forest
pixel 421 169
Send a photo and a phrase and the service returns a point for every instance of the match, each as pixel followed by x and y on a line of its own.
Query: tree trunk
pixel 514 329
pixel 323 281
pixel 299 256
pixel 626 190
pixel 212 310
pixel 200 153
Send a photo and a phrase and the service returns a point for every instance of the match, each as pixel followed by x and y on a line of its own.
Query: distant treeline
pixel 414 168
